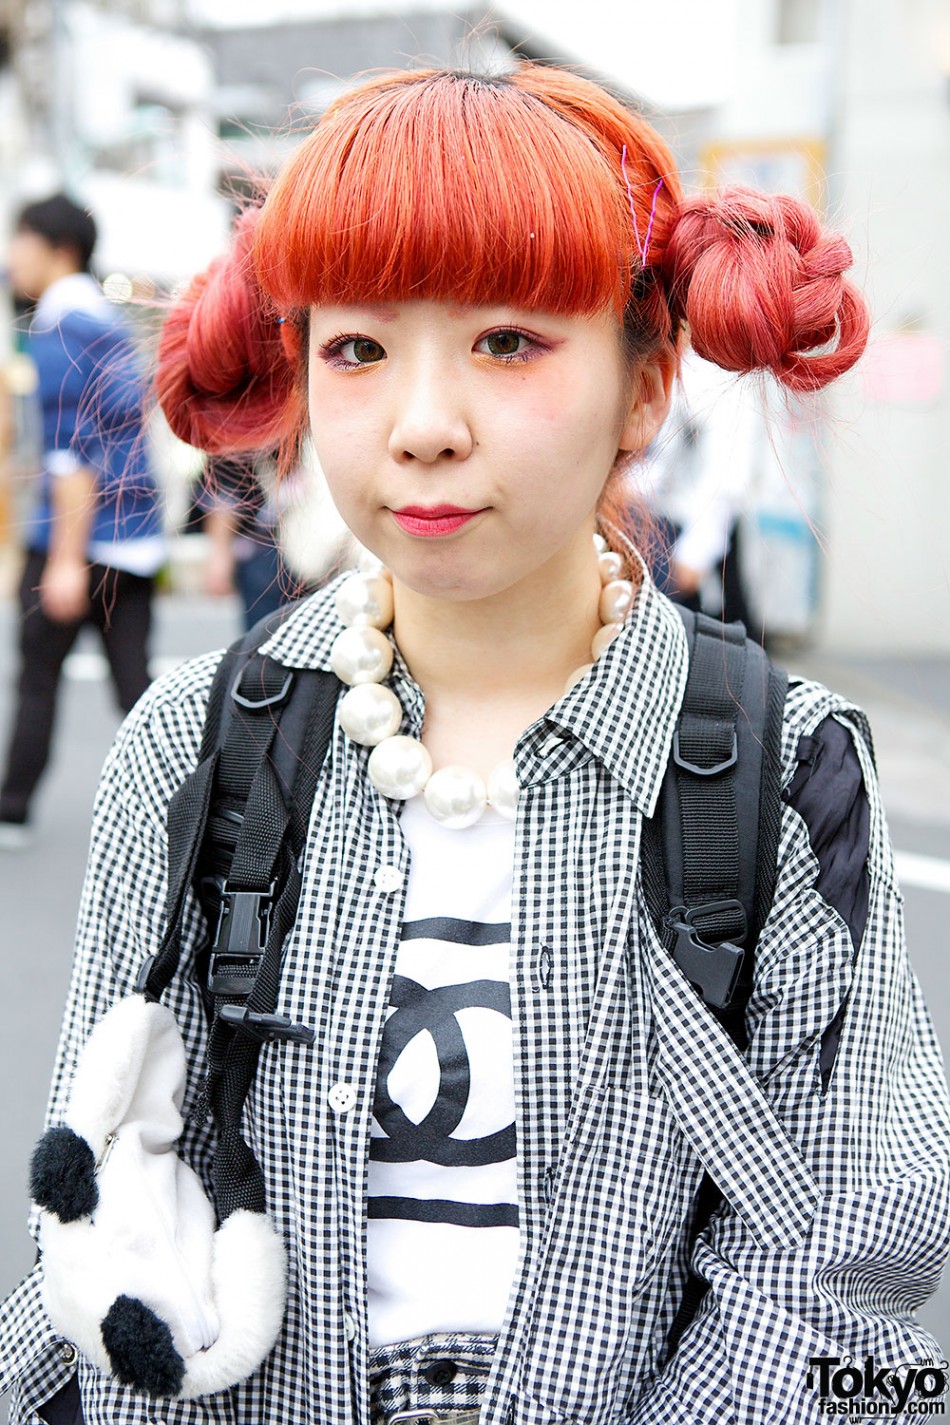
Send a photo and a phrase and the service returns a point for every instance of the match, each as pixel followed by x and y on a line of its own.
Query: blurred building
pixel 848 103
pixel 274 80
pixel 111 101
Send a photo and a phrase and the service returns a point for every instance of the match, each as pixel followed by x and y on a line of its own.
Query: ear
pixel 651 388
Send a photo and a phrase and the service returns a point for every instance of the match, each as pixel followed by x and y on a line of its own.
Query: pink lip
pixel 432 521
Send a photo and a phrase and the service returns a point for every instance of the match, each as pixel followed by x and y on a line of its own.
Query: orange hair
pixel 536 189
pixel 468 189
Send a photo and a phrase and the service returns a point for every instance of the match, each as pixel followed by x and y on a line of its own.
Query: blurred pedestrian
pixel 239 510
pixel 694 479
pixel 94 540
pixel 248 513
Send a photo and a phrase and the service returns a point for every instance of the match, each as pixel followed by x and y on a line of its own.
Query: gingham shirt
pixel 835 1224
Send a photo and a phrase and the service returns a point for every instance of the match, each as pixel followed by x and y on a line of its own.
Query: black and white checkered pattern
pixel 835 1226
pixel 444 1372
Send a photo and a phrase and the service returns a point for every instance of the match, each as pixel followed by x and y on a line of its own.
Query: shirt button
pixel 553 744
pixel 349 1326
pixel 441 1372
pixel 387 878
pixel 68 1354
pixel 341 1098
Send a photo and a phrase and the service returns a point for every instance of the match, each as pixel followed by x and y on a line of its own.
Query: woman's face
pixel 468 447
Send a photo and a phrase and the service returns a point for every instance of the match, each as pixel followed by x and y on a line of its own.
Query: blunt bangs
pixel 447 186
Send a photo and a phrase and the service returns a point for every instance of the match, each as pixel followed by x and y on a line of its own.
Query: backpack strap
pixel 710 851
pixel 237 833
pixel 711 848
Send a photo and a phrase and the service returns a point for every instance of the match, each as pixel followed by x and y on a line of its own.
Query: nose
pixel 431 423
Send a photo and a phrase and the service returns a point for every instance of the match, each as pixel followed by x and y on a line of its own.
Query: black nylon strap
pixel 186 823
pixel 186 820
pixel 237 828
pixel 267 853
pixel 189 813
pixel 714 838
pixel 706 740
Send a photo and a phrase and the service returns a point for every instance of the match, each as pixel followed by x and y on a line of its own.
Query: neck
pixel 511 642
pixel 490 667
pixel 57 270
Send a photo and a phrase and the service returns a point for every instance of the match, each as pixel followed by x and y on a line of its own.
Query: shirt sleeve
pixel 93 382
pixel 843 1047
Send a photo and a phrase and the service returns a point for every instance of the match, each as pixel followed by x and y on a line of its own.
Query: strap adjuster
pixel 141 983
pixel 713 969
pixel 265 701
pixel 695 769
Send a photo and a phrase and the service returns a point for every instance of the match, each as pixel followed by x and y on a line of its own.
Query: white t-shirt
pixel 443 1201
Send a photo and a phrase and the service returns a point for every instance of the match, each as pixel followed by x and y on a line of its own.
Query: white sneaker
pixel 16 836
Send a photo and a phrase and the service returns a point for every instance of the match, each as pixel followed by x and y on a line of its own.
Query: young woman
pixel 475 290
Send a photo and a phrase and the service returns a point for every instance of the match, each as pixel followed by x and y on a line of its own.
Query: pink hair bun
pixel 759 281
pixel 225 380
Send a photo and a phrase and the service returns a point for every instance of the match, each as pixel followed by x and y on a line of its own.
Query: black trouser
pixel 121 610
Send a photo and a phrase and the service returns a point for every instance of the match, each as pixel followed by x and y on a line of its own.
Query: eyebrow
pixel 378 312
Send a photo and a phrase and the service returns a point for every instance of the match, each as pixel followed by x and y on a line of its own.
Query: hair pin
pixel 644 246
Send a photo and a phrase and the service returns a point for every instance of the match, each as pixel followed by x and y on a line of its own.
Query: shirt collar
pixel 623 713
pixel 77 291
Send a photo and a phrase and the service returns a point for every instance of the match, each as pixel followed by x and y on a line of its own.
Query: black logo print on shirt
pixel 418 1009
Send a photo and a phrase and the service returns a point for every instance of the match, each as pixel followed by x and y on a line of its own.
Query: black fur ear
pixel 63 1175
pixel 141 1348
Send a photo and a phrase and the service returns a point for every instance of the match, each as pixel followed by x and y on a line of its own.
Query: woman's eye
pixel 365 350
pixel 508 344
pixel 354 351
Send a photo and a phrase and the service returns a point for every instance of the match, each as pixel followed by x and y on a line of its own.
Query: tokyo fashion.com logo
pixel 866 1391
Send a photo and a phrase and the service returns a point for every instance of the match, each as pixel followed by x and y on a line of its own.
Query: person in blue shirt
pixel 94 539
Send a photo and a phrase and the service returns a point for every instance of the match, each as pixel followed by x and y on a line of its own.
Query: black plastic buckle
pixel 265 1026
pixel 713 969
pixel 698 771
pixel 141 983
pixel 240 939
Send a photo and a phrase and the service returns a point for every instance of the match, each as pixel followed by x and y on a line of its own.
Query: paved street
pixel 910 708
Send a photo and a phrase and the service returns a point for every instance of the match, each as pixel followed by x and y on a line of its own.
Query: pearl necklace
pixel 399 766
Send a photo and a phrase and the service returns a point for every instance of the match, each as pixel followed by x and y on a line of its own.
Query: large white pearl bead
pixel 503 790
pixel 363 600
pixel 369 713
pixel 616 601
pixel 361 655
pixel 600 544
pixel 605 636
pixel 399 767
pixel 455 796
pixel 610 566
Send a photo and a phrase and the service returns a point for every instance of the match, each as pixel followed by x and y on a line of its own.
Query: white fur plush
pixel 152 1236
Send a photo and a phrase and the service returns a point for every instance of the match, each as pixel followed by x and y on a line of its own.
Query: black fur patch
pixel 141 1348
pixel 63 1175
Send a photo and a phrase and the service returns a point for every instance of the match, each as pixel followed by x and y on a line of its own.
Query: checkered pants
pixel 442 1373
